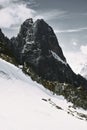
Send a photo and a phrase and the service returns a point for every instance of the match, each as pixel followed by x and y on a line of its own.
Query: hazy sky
pixel 67 17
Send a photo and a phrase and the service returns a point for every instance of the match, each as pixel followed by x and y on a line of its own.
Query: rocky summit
pixel 36 46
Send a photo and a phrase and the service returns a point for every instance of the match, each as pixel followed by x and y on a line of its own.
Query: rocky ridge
pixel 36 46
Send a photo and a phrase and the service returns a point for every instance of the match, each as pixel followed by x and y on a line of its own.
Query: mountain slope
pixel 24 104
pixel 36 46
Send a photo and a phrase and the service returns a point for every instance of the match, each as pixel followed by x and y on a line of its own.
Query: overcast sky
pixel 67 17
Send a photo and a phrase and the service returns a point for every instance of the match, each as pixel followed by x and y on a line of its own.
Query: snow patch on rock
pixel 58 58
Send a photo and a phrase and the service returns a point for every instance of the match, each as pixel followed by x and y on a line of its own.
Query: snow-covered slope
pixel 26 105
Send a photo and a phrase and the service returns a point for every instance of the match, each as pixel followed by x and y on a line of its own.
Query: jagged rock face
pixel 45 37
pixel 37 36
pixel 20 42
pixel 37 46
pixel 4 43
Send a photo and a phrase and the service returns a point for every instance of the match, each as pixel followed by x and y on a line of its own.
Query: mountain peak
pixel 40 21
pixel 36 46
pixel 28 22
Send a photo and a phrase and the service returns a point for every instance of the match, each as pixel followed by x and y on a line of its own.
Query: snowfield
pixel 26 105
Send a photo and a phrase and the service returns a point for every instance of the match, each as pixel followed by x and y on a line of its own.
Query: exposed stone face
pixel 4 43
pixel 38 36
pixel 19 43
pixel 45 37
pixel 37 46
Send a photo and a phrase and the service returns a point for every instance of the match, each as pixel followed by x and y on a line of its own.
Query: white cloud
pixel 71 30
pixel 53 14
pixel 76 60
pixel 75 43
pixel 2 2
pixel 5 3
pixel 15 14
pixel 84 49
